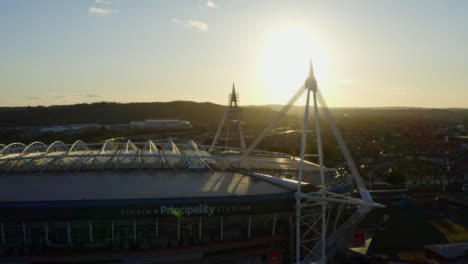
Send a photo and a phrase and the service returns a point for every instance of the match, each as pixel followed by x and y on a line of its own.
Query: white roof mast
pixel 232 112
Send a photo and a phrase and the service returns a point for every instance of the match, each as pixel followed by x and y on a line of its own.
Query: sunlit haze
pixel 365 53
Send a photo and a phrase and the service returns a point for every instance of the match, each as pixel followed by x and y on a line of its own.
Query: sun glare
pixel 286 58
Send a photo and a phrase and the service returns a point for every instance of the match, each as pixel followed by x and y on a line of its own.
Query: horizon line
pixel 201 102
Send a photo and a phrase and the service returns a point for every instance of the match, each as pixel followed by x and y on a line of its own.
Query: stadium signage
pixel 185 210
pixel 147 208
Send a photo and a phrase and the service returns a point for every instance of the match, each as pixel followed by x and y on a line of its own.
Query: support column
pixel 200 228
pixel 274 225
pixel 298 229
pixel 178 228
pixel 250 224
pixel 91 233
pixel 318 132
pixel 323 260
pixel 157 227
pixel 24 234
pixel 69 234
pixel 322 178
pixel 239 125
pixel 218 131
pixel 112 229
pixel 134 231
pixel 301 168
pixel 227 132
pixel 46 231
pixel 222 223
pixel 291 239
pixel 3 234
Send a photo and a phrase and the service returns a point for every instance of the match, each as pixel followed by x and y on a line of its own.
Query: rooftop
pixel 151 169
pixel 135 184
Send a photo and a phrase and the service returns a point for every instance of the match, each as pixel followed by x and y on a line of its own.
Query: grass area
pixel 408 230
pixel 412 256
pixel 453 232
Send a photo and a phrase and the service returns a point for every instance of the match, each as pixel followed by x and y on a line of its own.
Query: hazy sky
pixel 367 53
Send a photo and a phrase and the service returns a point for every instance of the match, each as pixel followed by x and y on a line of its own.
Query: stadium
pixel 163 201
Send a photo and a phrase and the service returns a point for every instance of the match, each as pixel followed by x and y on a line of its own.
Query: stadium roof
pixel 135 184
pixel 38 157
pixel 152 169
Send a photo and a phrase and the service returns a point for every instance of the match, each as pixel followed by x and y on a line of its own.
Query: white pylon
pixel 311 86
pixel 231 113
pixel 324 199
pixel 314 237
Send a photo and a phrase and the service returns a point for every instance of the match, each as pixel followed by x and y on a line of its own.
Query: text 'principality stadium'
pixel 179 202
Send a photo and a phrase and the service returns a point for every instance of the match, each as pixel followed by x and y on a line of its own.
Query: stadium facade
pixel 143 196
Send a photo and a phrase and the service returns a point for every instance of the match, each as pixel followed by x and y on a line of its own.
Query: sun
pixel 286 57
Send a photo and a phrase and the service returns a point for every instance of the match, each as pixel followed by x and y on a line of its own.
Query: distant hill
pixel 387 113
pixel 199 114
pixel 209 114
